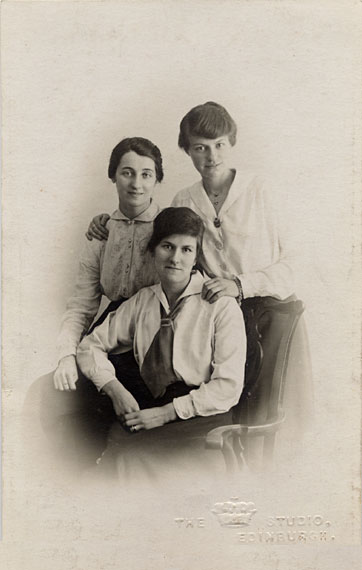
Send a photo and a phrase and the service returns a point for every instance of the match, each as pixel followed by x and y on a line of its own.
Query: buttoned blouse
pixel 247 238
pixel 208 352
pixel 117 267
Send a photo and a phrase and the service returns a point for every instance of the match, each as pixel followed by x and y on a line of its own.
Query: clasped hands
pixel 129 413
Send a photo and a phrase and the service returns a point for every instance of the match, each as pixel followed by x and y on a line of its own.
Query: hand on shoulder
pixel 98 228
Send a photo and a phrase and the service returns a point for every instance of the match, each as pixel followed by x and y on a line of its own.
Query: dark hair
pixel 210 121
pixel 141 146
pixel 182 221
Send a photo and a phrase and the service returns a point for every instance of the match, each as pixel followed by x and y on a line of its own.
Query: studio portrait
pixel 181 305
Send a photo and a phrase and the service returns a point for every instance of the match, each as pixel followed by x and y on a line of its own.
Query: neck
pixel 173 292
pixel 133 212
pixel 219 183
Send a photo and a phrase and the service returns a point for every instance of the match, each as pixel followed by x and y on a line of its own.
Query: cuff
pixel 246 285
pixel 240 296
pixel 66 349
pixel 184 407
pixel 101 378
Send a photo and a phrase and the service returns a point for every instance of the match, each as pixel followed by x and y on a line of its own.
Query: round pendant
pixel 217 223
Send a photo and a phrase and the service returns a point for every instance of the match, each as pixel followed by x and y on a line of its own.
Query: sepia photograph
pixel 181 339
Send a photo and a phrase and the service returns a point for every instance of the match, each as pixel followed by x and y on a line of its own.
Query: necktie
pixel 157 369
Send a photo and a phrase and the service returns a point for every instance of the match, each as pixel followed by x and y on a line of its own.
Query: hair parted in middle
pixel 210 121
pixel 139 145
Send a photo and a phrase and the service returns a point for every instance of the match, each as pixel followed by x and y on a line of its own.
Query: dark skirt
pixel 82 424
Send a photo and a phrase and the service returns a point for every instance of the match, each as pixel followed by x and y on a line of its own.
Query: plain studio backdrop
pixel 79 77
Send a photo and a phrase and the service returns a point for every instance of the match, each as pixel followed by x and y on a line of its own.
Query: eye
pixel 188 249
pixel 199 148
pixel 126 173
pixel 220 144
pixel 166 246
pixel 147 175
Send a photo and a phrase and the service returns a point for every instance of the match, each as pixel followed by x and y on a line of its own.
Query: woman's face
pixel 210 155
pixel 135 180
pixel 174 259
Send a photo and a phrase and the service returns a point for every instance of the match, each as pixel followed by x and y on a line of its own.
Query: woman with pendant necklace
pixel 244 245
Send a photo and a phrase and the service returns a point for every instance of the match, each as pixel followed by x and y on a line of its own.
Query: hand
pixel 97 228
pixel 122 399
pixel 66 374
pixel 218 287
pixel 150 418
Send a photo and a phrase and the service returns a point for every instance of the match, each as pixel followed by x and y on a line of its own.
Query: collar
pixel 146 216
pixel 198 194
pixel 193 288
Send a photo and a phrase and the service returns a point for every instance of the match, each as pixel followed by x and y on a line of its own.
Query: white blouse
pixel 251 240
pixel 209 346
pixel 116 268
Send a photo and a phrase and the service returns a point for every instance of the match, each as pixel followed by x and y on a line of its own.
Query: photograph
pixel 181 299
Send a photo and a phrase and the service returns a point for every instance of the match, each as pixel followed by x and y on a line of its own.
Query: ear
pixel 113 179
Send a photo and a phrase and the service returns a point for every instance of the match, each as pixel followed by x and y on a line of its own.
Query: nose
pixel 137 181
pixel 211 155
pixel 175 255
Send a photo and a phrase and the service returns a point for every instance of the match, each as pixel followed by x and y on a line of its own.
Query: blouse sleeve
pixel 224 388
pixel 116 330
pixel 84 303
pixel 276 279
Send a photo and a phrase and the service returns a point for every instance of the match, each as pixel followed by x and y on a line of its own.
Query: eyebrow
pixel 172 243
pixel 125 167
pixel 220 139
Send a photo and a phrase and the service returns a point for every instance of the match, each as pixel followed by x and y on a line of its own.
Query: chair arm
pixel 215 438
pixel 263 429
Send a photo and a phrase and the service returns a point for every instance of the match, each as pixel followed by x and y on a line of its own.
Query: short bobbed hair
pixel 208 121
pixel 141 146
pixel 182 221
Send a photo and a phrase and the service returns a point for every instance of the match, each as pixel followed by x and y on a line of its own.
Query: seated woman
pixel 117 269
pixel 190 353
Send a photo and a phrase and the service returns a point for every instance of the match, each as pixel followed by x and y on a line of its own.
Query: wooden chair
pixel 270 326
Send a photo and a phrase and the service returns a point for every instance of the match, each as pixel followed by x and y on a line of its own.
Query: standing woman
pixel 246 246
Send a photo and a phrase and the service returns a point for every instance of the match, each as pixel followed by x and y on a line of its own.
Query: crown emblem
pixel 234 513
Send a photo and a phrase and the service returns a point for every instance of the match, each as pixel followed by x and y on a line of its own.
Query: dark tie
pixel 157 369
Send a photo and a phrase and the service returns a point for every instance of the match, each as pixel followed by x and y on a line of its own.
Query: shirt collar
pixel 193 288
pixel 146 216
pixel 198 194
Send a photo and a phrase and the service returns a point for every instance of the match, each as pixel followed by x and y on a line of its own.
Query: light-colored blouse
pixel 251 241
pixel 116 268
pixel 209 346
